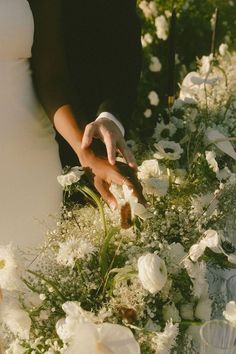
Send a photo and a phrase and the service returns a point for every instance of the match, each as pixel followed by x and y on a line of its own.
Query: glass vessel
pixel 218 337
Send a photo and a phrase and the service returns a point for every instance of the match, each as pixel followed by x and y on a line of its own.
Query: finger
pixel 128 155
pixel 89 133
pixel 103 188
pixel 111 148
pixel 126 175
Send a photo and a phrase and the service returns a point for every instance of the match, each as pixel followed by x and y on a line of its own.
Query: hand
pixel 103 174
pixel 110 134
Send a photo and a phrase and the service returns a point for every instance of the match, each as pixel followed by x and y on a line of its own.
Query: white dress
pixel 29 163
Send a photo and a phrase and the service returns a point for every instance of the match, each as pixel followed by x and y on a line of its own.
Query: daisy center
pixel 169 150
pixel 165 133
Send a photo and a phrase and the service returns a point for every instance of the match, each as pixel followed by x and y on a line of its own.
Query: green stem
pixel 87 191
pixel 49 282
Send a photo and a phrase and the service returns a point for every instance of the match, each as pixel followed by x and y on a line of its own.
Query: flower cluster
pixel 129 280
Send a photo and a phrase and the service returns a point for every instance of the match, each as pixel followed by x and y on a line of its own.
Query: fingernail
pixel 112 206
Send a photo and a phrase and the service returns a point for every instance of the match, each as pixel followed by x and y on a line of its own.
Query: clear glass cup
pixel 218 337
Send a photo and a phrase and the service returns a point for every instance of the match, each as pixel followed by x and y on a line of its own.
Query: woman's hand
pixel 103 174
pixel 108 132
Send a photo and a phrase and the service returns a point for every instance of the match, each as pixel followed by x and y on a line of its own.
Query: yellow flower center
pixel 2 263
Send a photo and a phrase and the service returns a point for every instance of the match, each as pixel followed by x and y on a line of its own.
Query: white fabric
pixel 110 116
pixel 28 153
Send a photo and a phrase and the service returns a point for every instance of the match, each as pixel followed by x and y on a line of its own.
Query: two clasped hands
pixel 104 167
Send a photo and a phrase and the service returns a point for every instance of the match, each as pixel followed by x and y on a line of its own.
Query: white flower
pixel 165 341
pixel 146 39
pixel 221 141
pixel 152 272
pixel 15 348
pixel 203 309
pixel 210 157
pixel 197 272
pixel 153 98
pixel 206 204
pixel 149 9
pixel 136 207
pixel 152 180
pixel 210 240
pixel 223 49
pixel 196 251
pixel 164 131
pixel 168 150
pixel 186 311
pixel 11 268
pixel 169 312
pixel 103 339
pixel 71 177
pixel 155 65
pixel 16 319
pixel 147 113
pixel 161 27
pixel 73 249
pixel 230 312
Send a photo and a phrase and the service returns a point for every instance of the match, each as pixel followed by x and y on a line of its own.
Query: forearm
pixel 66 125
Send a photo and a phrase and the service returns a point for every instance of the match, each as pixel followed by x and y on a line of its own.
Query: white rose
pixel 171 312
pixel 153 98
pixel 230 312
pixel 152 272
pixel 211 239
pixel 71 177
pixel 203 309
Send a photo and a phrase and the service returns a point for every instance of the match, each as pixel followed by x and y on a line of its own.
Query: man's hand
pixel 107 131
pixel 103 174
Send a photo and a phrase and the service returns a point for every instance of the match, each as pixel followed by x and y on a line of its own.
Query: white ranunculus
pixel 103 339
pixel 71 177
pixel 169 312
pixel 149 168
pixel 161 27
pixel 210 157
pixel 168 150
pixel 146 39
pixel 11 268
pixel 16 319
pixel 221 141
pixel 149 8
pixel 153 98
pixel 186 311
pixel 223 49
pixel 155 65
pixel 203 309
pixel 230 312
pixel 152 272
pixel 152 180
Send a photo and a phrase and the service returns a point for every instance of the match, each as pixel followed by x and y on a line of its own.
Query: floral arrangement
pixel 132 280
pixel 193 31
